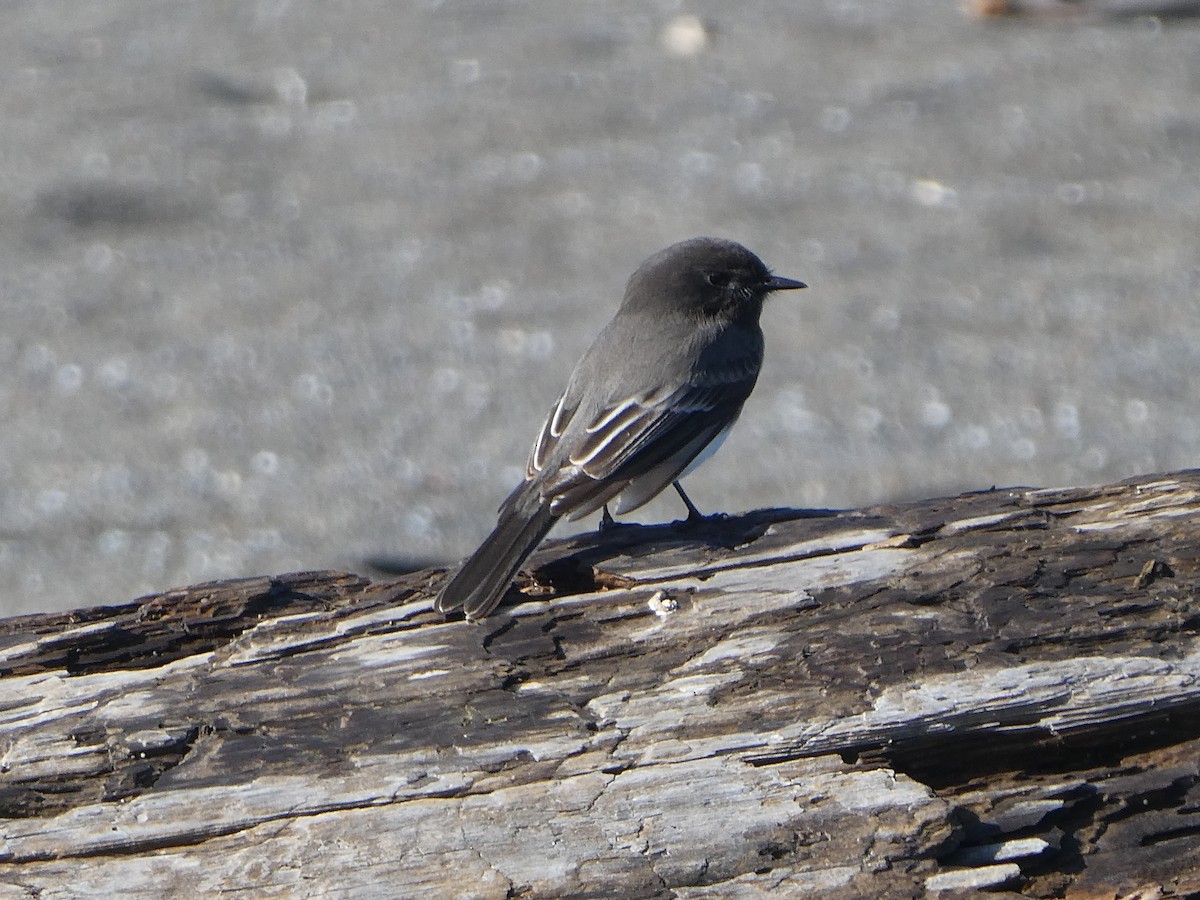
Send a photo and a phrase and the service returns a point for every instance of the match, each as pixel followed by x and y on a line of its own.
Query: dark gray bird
pixel 651 399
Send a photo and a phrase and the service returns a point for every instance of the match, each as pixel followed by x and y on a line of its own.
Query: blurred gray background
pixel 291 284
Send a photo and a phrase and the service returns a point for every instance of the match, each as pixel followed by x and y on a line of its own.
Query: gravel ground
pixel 291 284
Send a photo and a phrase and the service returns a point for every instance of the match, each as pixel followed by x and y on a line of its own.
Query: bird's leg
pixel 606 519
pixel 694 515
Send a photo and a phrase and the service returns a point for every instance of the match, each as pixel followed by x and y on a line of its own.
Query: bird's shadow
pixel 398 566
pixel 574 565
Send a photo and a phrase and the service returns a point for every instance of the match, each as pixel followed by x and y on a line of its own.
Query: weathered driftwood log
pixel 1000 689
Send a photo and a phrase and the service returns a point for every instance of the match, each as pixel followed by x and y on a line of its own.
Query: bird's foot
pixel 694 517
pixel 606 520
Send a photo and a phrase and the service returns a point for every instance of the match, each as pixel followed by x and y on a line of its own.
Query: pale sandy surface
pixel 290 284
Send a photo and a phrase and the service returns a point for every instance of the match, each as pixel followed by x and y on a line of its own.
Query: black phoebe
pixel 651 399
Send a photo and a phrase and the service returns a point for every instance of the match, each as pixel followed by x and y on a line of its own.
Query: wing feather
pixel 552 429
pixel 660 434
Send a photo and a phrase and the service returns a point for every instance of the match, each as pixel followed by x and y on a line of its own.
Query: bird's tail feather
pixel 479 585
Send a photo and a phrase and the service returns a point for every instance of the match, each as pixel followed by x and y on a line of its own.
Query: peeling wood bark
pixel 999 690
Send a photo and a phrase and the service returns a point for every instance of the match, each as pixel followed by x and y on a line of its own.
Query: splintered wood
pixel 994 691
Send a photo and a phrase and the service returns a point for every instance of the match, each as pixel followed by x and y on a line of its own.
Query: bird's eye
pixel 718 279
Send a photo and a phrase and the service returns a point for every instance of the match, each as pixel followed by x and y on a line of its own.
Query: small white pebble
pixel 663 605
pixel 685 36
pixel 936 414
pixel 930 192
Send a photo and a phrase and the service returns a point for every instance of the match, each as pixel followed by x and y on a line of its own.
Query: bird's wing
pixel 661 432
pixel 637 434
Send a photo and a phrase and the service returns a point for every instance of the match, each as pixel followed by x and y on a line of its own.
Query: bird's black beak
pixel 779 283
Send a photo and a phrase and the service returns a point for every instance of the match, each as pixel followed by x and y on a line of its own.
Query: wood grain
pixel 997 690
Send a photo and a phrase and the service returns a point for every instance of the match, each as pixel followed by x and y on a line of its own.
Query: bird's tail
pixel 479 585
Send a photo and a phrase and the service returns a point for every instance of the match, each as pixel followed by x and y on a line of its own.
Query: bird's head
pixel 706 277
